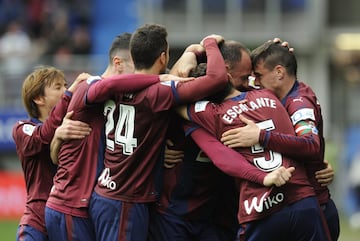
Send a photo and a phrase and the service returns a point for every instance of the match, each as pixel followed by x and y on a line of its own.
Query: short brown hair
pixel 34 86
pixel 272 54
pixel 146 45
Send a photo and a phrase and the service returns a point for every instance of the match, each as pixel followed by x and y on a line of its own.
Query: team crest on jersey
pixel 28 129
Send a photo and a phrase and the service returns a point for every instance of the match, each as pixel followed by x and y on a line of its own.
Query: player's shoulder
pixel 159 89
pixel 24 127
pixel 200 106
pixel 305 90
pixel 303 95
pixel 84 85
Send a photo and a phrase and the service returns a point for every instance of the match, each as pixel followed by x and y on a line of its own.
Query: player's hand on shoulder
pixel 81 77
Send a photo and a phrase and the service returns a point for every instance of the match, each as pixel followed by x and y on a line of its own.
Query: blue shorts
pixel 332 218
pixel 118 220
pixel 301 220
pixel 28 233
pixel 165 227
pixel 64 227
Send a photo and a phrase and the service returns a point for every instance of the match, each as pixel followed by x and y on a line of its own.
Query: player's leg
pixel 275 227
pixel 82 229
pixel 134 222
pixel 55 225
pixel 28 233
pixel 307 221
pixel 332 219
pixel 117 220
pixel 207 231
pixel 62 227
pixel 105 216
pixel 165 227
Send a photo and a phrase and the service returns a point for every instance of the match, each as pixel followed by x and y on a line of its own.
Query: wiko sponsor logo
pixel 105 179
pixel 265 203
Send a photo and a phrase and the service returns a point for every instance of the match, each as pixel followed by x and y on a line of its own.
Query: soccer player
pixel 80 161
pixel 45 98
pixel 192 188
pixel 275 67
pixel 264 212
pixel 135 131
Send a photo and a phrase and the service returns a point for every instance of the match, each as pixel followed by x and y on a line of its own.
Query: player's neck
pixel 43 116
pixel 147 71
pixel 285 88
pixel 234 92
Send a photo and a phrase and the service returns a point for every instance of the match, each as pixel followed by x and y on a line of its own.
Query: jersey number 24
pixel 124 130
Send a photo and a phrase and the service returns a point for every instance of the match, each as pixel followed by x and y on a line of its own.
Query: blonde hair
pixel 34 86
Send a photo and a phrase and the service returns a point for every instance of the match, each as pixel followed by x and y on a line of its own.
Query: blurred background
pixel 74 36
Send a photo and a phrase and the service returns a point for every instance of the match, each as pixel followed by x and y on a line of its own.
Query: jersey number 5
pixel 124 131
pixel 275 160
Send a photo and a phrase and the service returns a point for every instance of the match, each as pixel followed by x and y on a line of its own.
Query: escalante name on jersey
pixel 235 110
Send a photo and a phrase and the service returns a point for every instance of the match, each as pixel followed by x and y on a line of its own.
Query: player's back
pixel 79 160
pixel 257 201
pixel 135 128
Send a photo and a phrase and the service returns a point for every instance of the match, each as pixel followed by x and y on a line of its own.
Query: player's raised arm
pixel 215 78
pixel 101 90
pixel 187 61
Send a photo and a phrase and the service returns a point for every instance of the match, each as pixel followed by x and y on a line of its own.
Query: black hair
pixel 273 54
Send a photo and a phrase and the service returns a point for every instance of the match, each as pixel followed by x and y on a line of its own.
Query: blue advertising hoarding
pixel 7 120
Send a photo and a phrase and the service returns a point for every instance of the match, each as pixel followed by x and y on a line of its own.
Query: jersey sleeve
pixel 215 78
pixel 289 144
pixel 30 138
pixel 102 90
pixel 226 159
pixel 47 129
pixel 304 121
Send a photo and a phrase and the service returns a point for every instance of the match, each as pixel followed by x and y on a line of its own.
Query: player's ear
pixel 229 76
pixel 227 66
pixel 280 71
pixel 118 64
pixel 40 100
pixel 163 59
